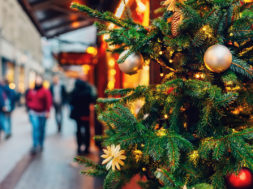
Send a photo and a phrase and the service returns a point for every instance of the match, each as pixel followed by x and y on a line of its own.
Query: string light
pixel 170 60
pixel 166 116
pixel 199 75
pixel 161 74
pixel 161 52
pixel 194 156
pixel 92 50
pixel 161 132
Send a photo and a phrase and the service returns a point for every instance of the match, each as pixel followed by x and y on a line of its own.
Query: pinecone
pixel 176 21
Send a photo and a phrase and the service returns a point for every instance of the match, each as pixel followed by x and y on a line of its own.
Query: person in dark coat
pixel 59 95
pixel 81 97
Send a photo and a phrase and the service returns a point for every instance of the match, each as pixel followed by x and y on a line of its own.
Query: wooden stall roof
pixel 54 17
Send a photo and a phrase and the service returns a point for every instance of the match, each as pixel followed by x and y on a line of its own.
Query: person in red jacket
pixel 38 101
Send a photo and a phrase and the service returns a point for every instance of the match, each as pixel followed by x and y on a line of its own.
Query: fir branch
pixel 106 16
pixel 151 36
pixel 240 69
pixel 89 163
pixel 119 91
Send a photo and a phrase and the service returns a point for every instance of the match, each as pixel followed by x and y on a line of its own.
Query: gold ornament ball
pixel 132 64
pixel 218 58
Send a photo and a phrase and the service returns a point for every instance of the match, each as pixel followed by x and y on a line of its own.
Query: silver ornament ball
pixel 132 64
pixel 218 58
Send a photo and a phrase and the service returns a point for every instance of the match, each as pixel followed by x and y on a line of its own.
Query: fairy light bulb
pixel 166 116
pixel 161 74
pixel 197 76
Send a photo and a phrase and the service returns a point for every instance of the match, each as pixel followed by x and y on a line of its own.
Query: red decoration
pixel 244 180
pixel 170 90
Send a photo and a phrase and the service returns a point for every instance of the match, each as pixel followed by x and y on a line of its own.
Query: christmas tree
pixel 195 127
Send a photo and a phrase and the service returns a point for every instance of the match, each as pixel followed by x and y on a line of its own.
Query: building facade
pixel 20 46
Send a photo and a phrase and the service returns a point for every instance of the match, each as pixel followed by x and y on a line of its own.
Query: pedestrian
pixel 81 97
pixel 39 101
pixel 59 94
pixel 2 121
pixel 10 98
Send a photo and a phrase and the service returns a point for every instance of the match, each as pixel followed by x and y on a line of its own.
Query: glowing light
pixel 111 85
pixel 106 36
pixel 161 74
pixel 112 72
pixel 161 52
pixel 119 11
pixel 92 50
pixel 111 62
pixel 236 112
pixel 141 7
pixel 86 69
pixel 170 60
pixel 75 24
pixel 197 76
pixel 12 85
pixel 121 8
pixel 146 67
pixel 166 116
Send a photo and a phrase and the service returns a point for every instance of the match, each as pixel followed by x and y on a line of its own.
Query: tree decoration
pixel 186 135
pixel 137 154
pixel 242 180
pixel 177 16
pixel 218 58
pixel 170 90
pixel 132 64
pixel 194 157
pixel 175 22
pixel 161 132
pixel 113 157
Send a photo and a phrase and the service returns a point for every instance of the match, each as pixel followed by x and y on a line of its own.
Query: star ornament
pixel 113 157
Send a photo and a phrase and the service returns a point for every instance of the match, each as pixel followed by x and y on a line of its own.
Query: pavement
pixel 54 168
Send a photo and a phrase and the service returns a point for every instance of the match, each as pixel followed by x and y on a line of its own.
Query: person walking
pixel 39 101
pixel 59 94
pixel 81 97
pixel 2 121
pixel 10 97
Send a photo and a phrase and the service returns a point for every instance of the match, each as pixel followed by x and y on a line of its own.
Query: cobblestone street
pixel 53 169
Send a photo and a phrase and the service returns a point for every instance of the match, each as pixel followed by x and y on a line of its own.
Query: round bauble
pixel 132 64
pixel 244 180
pixel 218 58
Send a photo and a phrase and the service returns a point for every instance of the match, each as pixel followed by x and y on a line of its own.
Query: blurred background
pixel 47 38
